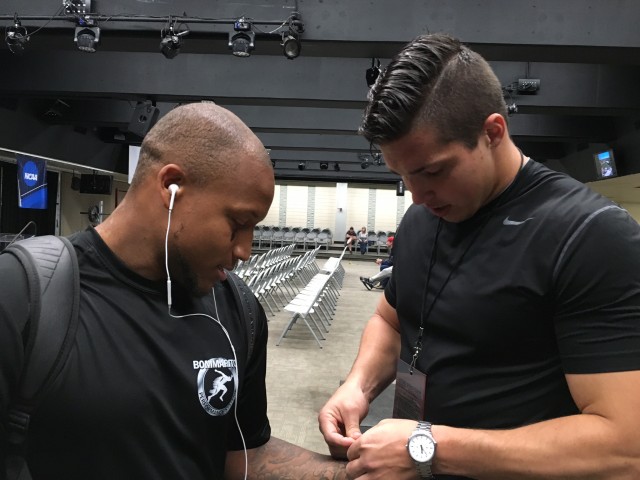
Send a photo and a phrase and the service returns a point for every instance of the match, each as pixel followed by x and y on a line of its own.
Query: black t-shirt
pixel 143 394
pixel 549 285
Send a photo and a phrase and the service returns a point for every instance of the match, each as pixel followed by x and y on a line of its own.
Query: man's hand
pixel 340 419
pixel 381 452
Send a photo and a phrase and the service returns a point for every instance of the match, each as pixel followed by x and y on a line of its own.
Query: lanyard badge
pixel 411 388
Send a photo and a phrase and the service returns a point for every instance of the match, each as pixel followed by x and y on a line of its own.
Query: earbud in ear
pixel 173 188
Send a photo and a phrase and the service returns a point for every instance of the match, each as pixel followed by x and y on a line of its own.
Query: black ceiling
pixel 62 103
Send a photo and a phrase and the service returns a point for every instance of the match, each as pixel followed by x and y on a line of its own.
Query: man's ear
pixel 168 175
pixel 495 128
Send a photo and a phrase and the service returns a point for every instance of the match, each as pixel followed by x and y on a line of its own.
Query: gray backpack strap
pixel 52 273
pixel 248 303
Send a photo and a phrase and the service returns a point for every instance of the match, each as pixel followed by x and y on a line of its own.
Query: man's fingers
pixel 338 445
pixel 355 468
pixel 354 432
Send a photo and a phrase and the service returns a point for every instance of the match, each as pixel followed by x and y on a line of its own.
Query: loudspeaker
pixel 97 184
pixel 75 183
pixel 144 117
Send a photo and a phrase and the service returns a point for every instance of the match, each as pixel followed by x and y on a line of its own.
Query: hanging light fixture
pixel 242 39
pixel 16 36
pixel 372 73
pixel 171 42
pixel 291 46
pixel 364 160
pixel 87 35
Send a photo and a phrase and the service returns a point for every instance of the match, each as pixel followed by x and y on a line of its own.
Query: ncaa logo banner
pixel 32 182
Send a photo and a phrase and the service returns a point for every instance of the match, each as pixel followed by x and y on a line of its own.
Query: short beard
pixel 186 277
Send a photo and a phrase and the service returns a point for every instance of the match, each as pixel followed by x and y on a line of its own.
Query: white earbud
pixel 173 188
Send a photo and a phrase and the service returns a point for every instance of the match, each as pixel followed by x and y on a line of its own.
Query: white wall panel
pixel 357 207
pixel 272 217
pixel 325 207
pixel 297 196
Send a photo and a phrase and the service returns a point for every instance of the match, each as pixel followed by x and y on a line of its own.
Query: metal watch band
pixel 424 469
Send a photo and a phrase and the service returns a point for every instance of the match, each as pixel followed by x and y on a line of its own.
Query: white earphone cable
pixel 215 320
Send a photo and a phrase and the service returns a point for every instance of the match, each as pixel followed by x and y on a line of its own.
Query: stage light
pixel 336 167
pixel 273 163
pixel 16 37
pixel 377 159
pixel 324 165
pixel 242 39
pixel 291 45
pixel 302 166
pixel 87 37
pixel 372 73
pixel 365 163
pixel 171 42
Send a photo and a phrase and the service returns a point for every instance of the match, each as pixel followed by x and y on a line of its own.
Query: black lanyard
pixel 432 261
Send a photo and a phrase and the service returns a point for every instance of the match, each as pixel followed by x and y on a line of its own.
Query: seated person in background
pixel 363 240
pixel 381 279
pixel 351 239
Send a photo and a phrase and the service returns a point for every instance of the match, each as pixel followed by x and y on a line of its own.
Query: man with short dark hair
pixel 511 323
pixel 165 378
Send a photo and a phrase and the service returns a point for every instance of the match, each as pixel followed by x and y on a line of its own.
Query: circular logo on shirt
pixel 30 174
pixel 217 384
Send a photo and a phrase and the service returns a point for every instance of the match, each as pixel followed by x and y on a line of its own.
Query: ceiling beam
pixel 305 82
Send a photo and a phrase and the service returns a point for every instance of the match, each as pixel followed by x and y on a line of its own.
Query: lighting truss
pixel 87 34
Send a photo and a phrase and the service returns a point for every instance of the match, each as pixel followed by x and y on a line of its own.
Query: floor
pixel 300 376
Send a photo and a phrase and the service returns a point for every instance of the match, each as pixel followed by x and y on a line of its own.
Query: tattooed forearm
pixel 281 460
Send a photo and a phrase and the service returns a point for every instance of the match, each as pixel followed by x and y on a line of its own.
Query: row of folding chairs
pixel 378 240
pixel 277 284
pixel 258 262
pixel 316 303
pixel 302 238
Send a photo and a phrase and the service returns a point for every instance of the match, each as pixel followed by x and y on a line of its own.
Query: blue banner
pixel 32 182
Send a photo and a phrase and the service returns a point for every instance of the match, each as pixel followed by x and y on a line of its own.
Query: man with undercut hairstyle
pixel 511 323
pixel 165 379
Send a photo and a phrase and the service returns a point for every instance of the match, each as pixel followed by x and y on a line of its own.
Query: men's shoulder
pixel 554 195
pixel 81 239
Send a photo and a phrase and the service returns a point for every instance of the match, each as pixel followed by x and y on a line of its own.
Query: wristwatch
pixel 422 448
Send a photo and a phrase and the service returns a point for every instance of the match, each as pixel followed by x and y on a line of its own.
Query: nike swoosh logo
pixel 506 221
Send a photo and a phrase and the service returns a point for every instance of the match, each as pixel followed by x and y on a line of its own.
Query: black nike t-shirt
pixel 144 395
pixel 548 286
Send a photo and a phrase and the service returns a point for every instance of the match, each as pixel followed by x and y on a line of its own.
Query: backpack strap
pixel 53 278
pixel 248 303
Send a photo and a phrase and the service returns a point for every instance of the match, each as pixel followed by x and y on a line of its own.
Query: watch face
pixel 421 448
